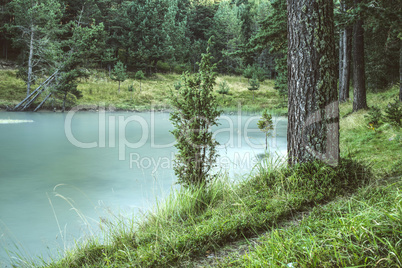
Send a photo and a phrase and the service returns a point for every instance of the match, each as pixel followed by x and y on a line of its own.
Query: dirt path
pixel 236 250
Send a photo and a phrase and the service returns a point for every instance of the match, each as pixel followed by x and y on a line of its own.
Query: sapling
pixel 265 125
pixel 196 111
pixel 119 73
pixel 139 76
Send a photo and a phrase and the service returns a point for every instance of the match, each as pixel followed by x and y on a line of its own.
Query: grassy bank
pixel 154 92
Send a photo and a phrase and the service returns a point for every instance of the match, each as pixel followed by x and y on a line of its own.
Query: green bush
pixel 393 113
pixel 223 88
pixel 163 67
pixel 374 116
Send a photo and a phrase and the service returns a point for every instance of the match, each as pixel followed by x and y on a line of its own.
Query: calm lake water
pixel 61 174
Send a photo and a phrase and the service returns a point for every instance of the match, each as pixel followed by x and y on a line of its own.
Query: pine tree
pixel 313 131
pixel 254 84
pixel 35 26
pixel 139 76
pixel 119 73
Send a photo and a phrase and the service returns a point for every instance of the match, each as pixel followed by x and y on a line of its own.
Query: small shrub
pixel 163 67
pixel 374 116
pixel 181 68
pixel 223 88
pixel 393 113
pixel 265 125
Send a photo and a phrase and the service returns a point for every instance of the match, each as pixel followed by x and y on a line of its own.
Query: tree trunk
pixel 313 129
pixel 119 86
pixel 359 79
pixel 400 71
pixel 64 102
pixel 345 54
pixel 31 47
pixel 340 83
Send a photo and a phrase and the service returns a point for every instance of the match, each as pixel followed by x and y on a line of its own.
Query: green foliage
pixel 266 125
pixel 163 67
pixel 393 113
pixel 196 112
pixel 254 84
pixel 248 72
pixel 177 85
pixel 119 73
pixel 374 116
pixel 256 71
pixel 272 35
pixel 223 88
pixel 139 75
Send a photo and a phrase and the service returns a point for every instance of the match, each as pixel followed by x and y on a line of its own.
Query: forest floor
pixel 310 215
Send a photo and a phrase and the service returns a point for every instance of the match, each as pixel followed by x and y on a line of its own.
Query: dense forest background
pixel 170 35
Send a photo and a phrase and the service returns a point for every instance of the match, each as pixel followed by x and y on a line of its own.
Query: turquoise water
pixel 62 174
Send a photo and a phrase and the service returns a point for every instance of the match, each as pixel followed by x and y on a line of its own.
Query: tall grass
pixel 191 222
pixel 361 231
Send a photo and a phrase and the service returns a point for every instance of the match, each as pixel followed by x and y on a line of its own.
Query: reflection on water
pixel 62 174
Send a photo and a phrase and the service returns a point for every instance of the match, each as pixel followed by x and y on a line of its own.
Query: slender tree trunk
pixel 64 102
pixel 340 83
pixel 31 47
pixel 344 72
pixel 400 71
pixel 119 86
pixel 359 79
pixel 345 54
pixel 313 129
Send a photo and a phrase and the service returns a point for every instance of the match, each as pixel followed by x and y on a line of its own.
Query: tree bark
pixel 340 83
pixel 345 54
pixel 359 79
pixel 30 63
pixel 313 129
pixel 400 71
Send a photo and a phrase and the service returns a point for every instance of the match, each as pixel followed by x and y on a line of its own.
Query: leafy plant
pixel 223 88
pixel 196 112
pixel 254 84
pixel 177 85
pixel 393 113
pixel 374 116
pixel 265 125
pixel 119 73
pixel 139 76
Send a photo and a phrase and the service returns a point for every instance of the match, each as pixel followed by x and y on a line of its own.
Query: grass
pixel 363 230
pixel 380 148
pixel 155 93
